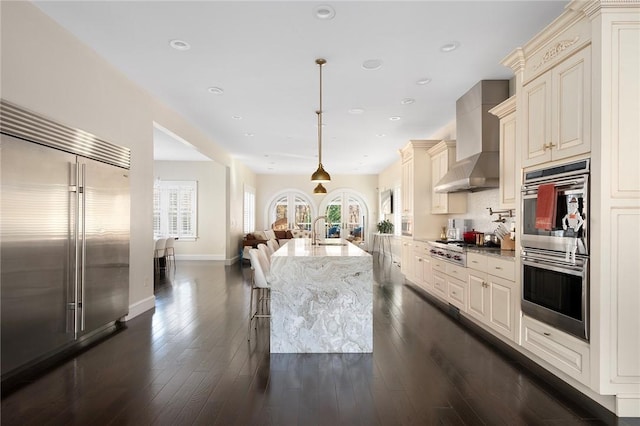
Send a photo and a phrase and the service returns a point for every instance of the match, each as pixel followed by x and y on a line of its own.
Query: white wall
pixel 210 175
pixel 45 69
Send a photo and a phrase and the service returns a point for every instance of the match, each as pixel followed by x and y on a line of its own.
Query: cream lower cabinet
pixel 421 265
pixel 493 300
pixel 406 258
pixel 439 278
pixel 565 352
pixel 449 283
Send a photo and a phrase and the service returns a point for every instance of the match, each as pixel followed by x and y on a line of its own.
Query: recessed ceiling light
pixel 423 81
pixel 394 118
pixel 248 134
pixel 449 47
pixel 236 117
pixel 324 12
pixel 372 64
pixel 381 135
pixel 407 101
pixel 216 90
pixel 179 44
pixel 356 111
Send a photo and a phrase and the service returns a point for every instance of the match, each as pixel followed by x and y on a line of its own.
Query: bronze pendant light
pixel 320 175
pixel 319 189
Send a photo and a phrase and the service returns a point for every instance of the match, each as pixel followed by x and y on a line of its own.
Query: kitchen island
pixel 321 298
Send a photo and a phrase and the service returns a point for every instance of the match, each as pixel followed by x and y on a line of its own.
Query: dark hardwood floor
pixel 189 362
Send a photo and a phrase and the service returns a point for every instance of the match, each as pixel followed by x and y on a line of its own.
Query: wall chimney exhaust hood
pixel 477 164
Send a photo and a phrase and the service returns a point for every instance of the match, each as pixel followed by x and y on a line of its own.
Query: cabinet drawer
pixel 559 349
pixel 503 268
pixel 457 272
pixel 477 261
pixel 439 284
pixel 439 265
pixel 457 293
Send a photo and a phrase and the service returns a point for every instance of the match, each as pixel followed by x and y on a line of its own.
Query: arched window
pixel 291 208
pixel 347 215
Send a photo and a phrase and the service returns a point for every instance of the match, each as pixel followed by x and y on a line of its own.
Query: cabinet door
pixel 501 310
pixel 438 170
pixel 407 187
pixel 571 106
pixel 536 129
pixel 478 295
pixel 418 271
pixel 406 259
pixel 427 274
pixel 508 161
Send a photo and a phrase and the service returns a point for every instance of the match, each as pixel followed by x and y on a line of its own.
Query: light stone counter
pixel 321 298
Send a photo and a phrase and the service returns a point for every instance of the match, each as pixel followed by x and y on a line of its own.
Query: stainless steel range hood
pixel 478 139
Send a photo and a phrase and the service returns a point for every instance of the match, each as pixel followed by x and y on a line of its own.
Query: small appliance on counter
pixel 456 229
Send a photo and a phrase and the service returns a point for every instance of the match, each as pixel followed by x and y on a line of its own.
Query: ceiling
pixel 262 56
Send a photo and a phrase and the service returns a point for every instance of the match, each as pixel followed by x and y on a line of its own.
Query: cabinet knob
pixel 546 334
pixel 497 267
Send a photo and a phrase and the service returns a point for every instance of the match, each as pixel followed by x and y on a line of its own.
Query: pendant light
pixel 319 189
pixel 320 175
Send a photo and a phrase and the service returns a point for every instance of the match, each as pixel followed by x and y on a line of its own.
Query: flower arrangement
pixel 385 227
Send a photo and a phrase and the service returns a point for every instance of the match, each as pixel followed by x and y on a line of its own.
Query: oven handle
pixel 558 266
pixel 578 183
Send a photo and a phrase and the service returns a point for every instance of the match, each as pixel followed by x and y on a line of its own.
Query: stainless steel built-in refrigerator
pixel 64 238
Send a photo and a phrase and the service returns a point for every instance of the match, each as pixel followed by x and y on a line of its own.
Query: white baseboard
pixel 628 405
pixel 200 257
pixel 140 307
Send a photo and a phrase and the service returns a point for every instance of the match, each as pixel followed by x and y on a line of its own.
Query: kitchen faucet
pixel 314 234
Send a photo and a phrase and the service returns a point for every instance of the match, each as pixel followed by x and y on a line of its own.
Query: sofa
pixel 252 239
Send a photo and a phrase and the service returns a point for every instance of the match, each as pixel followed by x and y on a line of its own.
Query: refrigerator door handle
pixel 84 243
pixel 76 280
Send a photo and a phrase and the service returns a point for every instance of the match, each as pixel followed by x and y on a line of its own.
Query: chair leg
pixel 250 313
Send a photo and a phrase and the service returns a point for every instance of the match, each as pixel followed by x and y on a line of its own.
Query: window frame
pixel 163 190
pixel 249 209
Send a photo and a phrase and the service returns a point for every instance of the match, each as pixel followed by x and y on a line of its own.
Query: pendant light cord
pixel 320 63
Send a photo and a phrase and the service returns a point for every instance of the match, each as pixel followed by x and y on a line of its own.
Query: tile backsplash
pixel 477 210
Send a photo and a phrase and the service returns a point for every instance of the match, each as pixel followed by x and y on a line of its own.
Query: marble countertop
pixel 331 247
pixel 508 254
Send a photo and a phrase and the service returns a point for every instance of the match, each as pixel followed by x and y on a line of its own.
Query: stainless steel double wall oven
pixel 555 261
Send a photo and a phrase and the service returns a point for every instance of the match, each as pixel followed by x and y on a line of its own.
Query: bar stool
pixel 259 268
pixel 159 252
pixel 273 245
pixel 266 250
pixel 169 252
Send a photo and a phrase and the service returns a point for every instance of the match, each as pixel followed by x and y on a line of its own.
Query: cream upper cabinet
pixel 556 111
pixel 506 112
pixel 416 188
pixel 407 183
pixel 443 155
